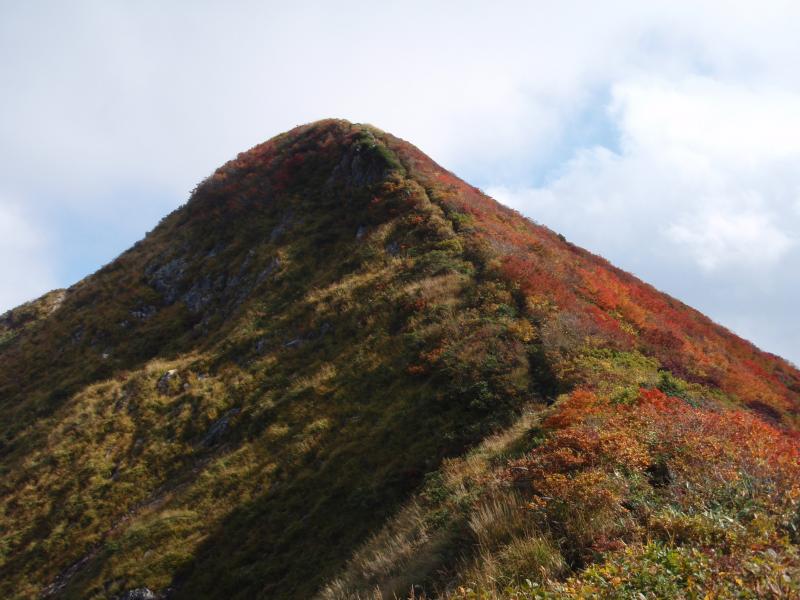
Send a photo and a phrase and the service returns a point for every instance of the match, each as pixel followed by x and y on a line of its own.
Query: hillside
pixel 338 370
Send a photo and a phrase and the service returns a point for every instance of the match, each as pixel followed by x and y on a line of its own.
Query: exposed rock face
pixel 139 594
pixel 144 312
pixel 271 268
pixel 362 165
pixel 163 385
pixel 167 278
pixel 218 429
pixel 202 284
pixel 285 224
pixel 202 292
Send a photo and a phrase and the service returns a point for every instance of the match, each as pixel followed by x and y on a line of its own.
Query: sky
pixel 664 136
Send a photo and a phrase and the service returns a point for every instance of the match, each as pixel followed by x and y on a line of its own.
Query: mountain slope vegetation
pixel 339 370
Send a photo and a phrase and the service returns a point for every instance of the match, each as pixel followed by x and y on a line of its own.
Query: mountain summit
pixel 339 370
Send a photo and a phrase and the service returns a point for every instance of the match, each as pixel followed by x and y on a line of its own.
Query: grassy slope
pixel 329 281
pixel 341 314
pixel 670 469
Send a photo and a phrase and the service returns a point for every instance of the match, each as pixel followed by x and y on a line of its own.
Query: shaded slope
pixel 255 365
pixel 235 404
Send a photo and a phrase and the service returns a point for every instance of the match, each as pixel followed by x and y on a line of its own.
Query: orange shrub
pixel 600 458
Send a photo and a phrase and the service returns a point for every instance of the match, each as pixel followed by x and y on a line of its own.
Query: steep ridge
pixel 325 369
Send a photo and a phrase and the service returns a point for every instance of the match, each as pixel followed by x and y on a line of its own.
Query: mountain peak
pixel 330 153
pixel 337 350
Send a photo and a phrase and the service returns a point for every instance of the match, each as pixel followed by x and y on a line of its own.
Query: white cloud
pixel 696 166
pixel 700 196
pixel 25 271
pixel 705 119
pixel 738 240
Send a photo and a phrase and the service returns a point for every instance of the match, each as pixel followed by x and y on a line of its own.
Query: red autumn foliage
pixel 563 278
pixel 703 451
pixel 558 277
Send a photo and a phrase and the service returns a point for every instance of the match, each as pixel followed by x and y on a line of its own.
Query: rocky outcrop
pixel 139 594
pixel 218 429
pixel 363 164
pixel 166 278
pixel 163 386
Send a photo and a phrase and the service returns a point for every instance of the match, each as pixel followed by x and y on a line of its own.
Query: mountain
pixel 339 371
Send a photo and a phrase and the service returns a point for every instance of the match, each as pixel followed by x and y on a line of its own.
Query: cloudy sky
pixel 662 135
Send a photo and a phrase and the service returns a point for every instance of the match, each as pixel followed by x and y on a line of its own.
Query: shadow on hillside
pixel 291 540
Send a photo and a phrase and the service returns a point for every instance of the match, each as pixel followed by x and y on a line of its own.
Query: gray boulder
pixel 166 278
pixel 139 594
pixel 218 429
pixel 163 383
